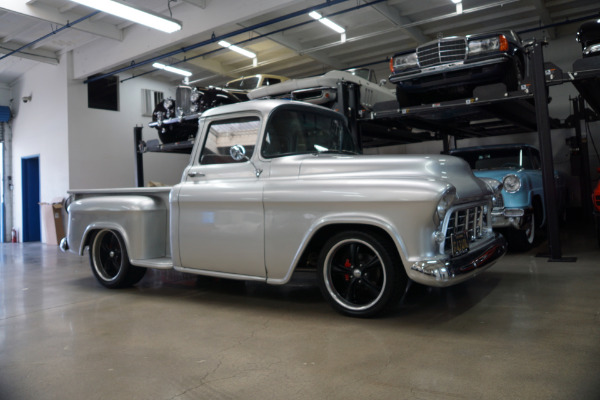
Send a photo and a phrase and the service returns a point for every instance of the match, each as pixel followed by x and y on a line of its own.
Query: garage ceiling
pixel 296 46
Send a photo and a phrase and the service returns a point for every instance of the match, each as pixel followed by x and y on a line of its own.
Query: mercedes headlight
pixel 403 62
pixel 446 201
pixel 511 183
pixel 498 43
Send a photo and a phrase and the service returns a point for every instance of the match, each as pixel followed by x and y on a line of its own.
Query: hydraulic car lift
pixel 492 111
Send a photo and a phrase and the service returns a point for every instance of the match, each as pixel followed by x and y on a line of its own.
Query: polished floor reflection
pixel 525 329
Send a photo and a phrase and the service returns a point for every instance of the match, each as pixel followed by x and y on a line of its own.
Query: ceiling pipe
pixel 215 39
pixel 68 25
pixel 260 37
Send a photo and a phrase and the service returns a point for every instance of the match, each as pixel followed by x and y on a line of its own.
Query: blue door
pixel 30 179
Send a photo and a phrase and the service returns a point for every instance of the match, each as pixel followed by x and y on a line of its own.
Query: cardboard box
pixel 52 222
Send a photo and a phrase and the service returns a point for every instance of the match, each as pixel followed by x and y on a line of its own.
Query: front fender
pixel 372 220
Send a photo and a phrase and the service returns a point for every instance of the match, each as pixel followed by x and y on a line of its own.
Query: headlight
pixel 444 205
pixel 498 43
pixel 403 62
pixel 195 96
pixel 593 49
pixel 512 183
pixel 168 103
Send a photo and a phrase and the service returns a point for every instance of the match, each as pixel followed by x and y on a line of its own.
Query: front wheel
pixel 360 273
pixel 110 262
pixel 522 239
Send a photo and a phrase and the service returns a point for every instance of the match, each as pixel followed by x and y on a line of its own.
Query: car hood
pixel 437 169
pixel 498 174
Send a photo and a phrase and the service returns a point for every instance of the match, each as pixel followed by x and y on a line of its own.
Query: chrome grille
pixel 472 221
pixel 498 201
pixel 441 52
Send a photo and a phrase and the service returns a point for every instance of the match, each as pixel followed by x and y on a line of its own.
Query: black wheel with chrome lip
pixel 361 273
pixel 110 262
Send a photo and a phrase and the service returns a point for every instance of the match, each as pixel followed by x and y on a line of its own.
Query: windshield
pixel 294 130
pixel 510 158
pixel 244 84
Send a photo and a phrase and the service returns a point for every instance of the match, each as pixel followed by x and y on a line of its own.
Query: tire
pixel 522 239
pixel 360 273
pixel 406 99
pixel 110 262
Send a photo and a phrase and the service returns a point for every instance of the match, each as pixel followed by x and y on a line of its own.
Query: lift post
pixel 139 156
pixel 545 141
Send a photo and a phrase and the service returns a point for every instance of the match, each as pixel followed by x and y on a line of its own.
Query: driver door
pixel 221 222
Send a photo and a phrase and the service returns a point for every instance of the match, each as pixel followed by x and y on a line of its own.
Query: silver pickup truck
pixel 275 186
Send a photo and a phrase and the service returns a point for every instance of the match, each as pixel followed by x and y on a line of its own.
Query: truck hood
pixel 440 168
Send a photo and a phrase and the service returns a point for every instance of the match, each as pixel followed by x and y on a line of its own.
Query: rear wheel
pixel 360 273
pixel 110 262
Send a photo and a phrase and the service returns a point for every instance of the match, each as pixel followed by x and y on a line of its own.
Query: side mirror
pixel 382 82
pixel 238 152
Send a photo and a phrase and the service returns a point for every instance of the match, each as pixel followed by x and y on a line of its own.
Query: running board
pixel 158 263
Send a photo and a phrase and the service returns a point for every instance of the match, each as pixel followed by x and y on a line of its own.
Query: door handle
pixel 195 174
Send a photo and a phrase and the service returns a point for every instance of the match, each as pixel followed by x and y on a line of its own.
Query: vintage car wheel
pixel 360 274
pixel 110 262
pixel 522 239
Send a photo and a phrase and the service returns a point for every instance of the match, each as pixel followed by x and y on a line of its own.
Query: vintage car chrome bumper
pixel 446 272
pixel 439 69
pixel 511 217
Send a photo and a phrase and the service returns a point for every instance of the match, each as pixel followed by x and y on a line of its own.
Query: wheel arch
pixel 91 230
pixel 315 242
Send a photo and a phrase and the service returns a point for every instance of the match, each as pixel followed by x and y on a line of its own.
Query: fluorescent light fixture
pixel 343 37
pixel 457 1
pixel 172 69
pixel 237 49
pixel 122 10
pixel 326 21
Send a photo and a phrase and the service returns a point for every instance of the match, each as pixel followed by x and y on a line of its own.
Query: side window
pixel 535 159
pixel 224 134
pixel 270 81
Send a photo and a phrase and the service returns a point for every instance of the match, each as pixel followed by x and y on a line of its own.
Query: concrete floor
pixel 526 329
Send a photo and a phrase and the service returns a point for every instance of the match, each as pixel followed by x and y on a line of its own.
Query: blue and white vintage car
pixel 521 209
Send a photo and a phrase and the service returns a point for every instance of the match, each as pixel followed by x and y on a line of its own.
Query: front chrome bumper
pixel 511 218
pixel 447 272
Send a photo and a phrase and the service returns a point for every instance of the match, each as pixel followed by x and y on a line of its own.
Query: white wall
pixel 40 128
pixel 101 148
pixel 4 95
pixel 80 147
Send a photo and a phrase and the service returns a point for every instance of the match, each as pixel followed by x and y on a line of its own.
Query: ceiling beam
pixel 545 18
pixel 53 15
pixel 47 57
pixel 197 3
pixel 394 16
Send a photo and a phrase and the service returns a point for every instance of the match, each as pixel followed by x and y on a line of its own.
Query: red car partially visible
pixel 596 202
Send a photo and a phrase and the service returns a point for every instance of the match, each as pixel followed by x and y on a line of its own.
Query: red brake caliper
pixel 347 264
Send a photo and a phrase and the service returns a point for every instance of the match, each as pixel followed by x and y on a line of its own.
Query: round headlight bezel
pixel 511 183
pixel 444 204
